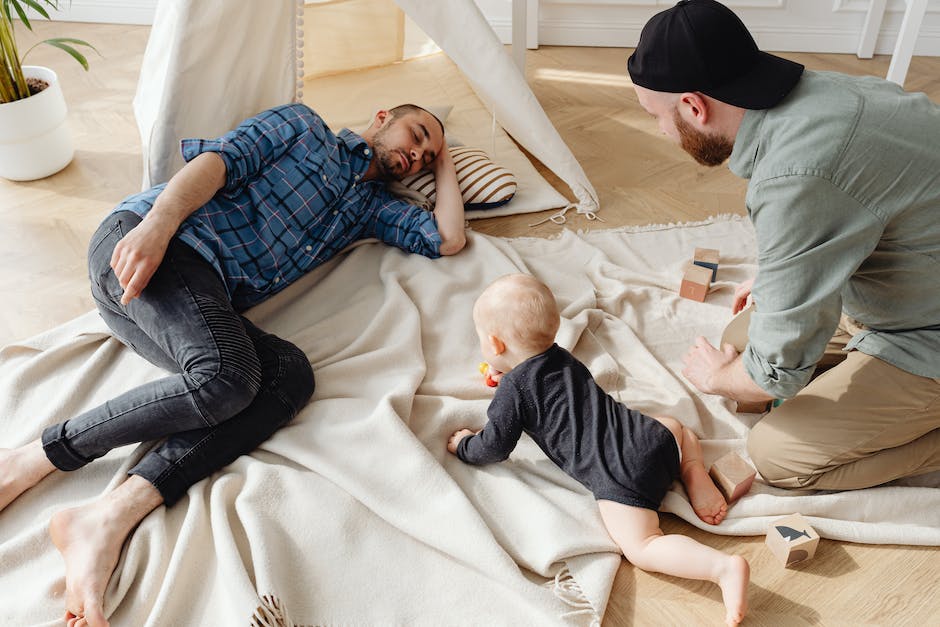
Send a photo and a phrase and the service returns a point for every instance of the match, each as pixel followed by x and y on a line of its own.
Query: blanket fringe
pixel 272 613
pixel 559 216
pixel 636 228
pixel 666 226
pixel 566 588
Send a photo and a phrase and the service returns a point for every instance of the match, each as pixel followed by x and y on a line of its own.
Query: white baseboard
pixel 621 31
pixel 783 39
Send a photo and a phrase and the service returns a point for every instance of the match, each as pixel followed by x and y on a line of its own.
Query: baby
pixel 626 459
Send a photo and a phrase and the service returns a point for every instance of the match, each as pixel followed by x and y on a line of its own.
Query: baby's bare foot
pixel 707 502
pixel 733 583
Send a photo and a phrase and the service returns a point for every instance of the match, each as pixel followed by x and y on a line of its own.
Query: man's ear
pixel 381 116
pixel 497 345
pixel 694 105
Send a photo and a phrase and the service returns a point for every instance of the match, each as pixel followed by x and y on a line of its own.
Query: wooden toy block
pixel 695 283
pixel 792 540
pixel 754 407
pixel 735 332
pixel 707 258
pixel 732 475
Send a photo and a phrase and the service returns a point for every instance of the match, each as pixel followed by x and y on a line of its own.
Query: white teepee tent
pixel 211 63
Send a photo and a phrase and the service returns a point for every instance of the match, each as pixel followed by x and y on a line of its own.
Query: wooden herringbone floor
pixel 641 179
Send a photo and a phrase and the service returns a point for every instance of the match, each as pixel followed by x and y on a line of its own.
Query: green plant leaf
pixel 36 7
pixel 62 43
pixel 22 14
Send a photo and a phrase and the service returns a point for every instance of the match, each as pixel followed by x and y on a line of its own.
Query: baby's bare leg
pixel 636 531
pixel 707 501
pixel 20 469
pixel 90 538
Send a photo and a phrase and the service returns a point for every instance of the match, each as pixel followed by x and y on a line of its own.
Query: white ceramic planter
pixel 35 141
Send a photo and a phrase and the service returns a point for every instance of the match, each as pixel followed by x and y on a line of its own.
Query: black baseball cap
pixel 701 45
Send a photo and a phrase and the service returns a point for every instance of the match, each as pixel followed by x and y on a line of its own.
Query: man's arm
pixel 138 255
pixel 812 236
pixel 448 209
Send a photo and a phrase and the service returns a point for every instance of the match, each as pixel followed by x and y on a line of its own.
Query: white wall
pixel 777 25
pixel 106 11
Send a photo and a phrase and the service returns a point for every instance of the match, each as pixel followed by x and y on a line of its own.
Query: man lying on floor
pixel 171 270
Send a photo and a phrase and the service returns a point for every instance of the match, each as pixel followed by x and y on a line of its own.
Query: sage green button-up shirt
pixel 844 195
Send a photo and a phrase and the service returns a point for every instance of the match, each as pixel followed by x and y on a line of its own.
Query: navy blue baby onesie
pixel 617 453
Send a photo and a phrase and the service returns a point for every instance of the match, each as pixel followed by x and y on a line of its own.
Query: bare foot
pixel 20 469
pixel 90 544
pixel 90 540
pixel 707 502
pixel 733 583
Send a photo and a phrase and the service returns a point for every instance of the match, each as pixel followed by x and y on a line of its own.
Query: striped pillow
pixel 483 184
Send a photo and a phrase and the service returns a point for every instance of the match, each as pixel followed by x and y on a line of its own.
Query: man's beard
pixel 710 150
pixel 386 159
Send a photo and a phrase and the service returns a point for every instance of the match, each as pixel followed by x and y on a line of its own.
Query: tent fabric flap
pixel 208 66
pixel 458 27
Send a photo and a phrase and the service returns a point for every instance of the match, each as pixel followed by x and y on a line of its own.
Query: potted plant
pixel 34 138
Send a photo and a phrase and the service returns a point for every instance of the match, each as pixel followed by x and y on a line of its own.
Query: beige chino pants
pixel 860 423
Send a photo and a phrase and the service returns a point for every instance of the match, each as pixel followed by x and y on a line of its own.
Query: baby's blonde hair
pixel 520 310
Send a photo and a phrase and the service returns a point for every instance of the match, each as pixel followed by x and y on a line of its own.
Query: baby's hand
pixel 456 438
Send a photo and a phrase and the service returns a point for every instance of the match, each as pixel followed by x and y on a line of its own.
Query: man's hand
pixel 138 255
pixel 704 363
pixel 742 294
pixel 456 438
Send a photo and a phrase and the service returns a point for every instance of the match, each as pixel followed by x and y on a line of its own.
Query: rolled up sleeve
pixel 256 142
pixel 812 236
pixel 408 227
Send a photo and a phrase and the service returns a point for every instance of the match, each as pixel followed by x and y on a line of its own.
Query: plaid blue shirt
pixel 293 198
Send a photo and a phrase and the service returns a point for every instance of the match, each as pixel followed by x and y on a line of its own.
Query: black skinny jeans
pixel 232 386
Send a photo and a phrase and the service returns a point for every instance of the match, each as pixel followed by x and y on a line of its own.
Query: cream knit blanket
pixel 355 513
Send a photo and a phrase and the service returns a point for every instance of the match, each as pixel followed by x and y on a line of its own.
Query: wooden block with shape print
pixel 792 540
pixel 707 258
pixel 732 475
pixel 695 283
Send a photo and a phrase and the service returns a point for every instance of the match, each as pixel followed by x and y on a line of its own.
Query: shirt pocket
pixel 318 182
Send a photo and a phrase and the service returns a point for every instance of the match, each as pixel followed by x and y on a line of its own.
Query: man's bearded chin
pixel 386 160
pixel 710 150
pixel 387 163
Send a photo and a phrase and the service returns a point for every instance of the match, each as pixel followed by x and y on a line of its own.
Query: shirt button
pixel 335 212
pixel 308 248
pixel 277 279
pixel 356 176
pixel 323 176
pixel 366 151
